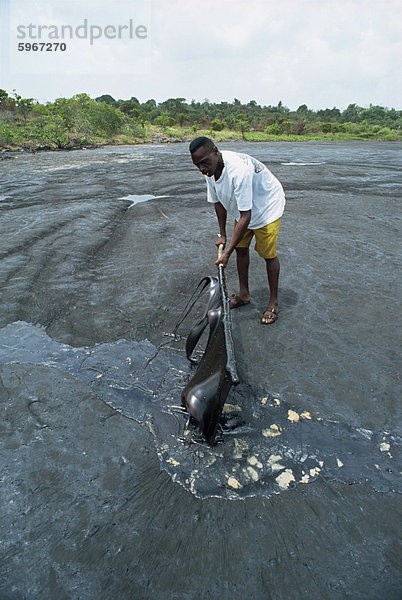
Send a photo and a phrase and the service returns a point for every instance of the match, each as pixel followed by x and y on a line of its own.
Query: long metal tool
pixel 227 322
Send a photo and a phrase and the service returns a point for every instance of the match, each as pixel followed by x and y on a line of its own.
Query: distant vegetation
pixel 81 121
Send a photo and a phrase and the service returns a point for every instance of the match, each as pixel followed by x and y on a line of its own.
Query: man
pixel 241 186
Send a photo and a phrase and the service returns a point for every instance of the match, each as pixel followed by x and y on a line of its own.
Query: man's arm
pixel 241 227
pixel 221 215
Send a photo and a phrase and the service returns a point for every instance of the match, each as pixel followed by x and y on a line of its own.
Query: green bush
pixel 55 133
pixel 273 129
pixel 285 126
pixel 217 125
pixel 8 134
pixel 105 118
pixel 164 120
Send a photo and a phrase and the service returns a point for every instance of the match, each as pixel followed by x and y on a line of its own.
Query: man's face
pixel 206 161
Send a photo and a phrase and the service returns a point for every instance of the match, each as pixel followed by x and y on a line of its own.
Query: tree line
pixel 235 115
pixel 81 121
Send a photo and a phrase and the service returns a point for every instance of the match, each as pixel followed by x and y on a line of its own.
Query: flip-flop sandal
pixel 270 313
pixel 236 301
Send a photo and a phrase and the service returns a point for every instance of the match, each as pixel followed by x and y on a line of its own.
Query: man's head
pixel 206 156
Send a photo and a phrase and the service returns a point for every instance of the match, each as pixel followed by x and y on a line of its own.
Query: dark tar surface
pixel 104 492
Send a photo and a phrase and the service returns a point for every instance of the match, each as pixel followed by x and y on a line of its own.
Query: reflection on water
pixel 135 199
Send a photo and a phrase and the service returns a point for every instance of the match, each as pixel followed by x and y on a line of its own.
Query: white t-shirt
pixel 246 183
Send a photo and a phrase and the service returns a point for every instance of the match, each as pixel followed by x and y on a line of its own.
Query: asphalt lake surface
pixel 105 491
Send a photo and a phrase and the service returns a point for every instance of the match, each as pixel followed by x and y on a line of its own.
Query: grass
pixel 227 135
pixel 152 134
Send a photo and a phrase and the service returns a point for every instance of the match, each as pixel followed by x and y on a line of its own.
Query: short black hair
pixel 206 142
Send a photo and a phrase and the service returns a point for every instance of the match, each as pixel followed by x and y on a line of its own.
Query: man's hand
pixel 221 240
pixel 223 260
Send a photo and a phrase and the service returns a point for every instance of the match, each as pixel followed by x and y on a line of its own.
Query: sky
pixel 322 53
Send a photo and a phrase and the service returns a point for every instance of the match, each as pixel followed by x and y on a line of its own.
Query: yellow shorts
pixel 265 239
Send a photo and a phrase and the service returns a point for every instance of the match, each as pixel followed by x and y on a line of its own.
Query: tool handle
pixel 220 250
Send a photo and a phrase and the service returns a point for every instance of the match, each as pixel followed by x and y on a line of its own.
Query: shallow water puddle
pixel 136 199
pixel 266 446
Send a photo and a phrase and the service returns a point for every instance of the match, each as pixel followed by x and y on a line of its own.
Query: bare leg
pixel 273 269
pixel 242 261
